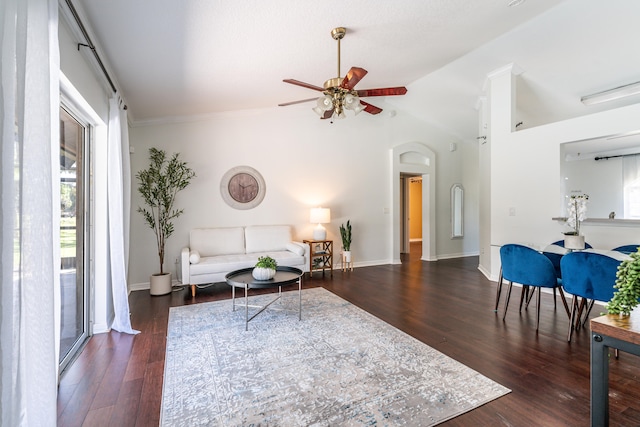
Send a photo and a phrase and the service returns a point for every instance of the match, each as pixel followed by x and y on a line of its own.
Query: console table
pixel 616 332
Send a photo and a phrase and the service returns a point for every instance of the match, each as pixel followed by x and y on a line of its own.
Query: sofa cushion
pixel 227 263
pixel 194 257
pixel 264 238
pixel 283 258
pixel 217 241
pixel 222 264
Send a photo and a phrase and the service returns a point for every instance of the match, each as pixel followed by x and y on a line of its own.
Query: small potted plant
pixel 265 268
pixel 627 287
pixel 345 234
pixel 576 213
pixel 158 186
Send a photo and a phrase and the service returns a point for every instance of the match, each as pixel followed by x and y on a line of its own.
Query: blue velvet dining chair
pixel 555 256
pixel 590 276
pixel 627 249
pixel 530 268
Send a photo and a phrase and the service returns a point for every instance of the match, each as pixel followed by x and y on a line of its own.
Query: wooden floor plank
pixel 447 304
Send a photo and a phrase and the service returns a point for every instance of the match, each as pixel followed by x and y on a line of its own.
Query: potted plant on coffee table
pixel 265 268
pixel 158 185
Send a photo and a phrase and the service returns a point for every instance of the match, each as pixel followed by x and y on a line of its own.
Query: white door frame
pixel 415 158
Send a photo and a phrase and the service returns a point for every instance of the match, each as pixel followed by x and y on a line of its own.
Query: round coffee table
pixel 243 279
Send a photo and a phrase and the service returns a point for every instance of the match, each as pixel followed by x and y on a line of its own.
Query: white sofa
pixel 214 252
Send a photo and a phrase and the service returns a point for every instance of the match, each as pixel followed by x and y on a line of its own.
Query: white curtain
pixel 631 186
pixel 118 136
pixel 630 169
pixel 29 238
pixel 126 185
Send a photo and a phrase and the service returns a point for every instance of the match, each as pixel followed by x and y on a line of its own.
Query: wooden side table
pixel 608 331
pixel 320 256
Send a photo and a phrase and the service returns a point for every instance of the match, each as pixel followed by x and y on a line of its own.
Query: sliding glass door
pixel 74 185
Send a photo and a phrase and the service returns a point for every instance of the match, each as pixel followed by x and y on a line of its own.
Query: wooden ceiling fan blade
pixel 327 114
pixel 352 78
pixel 303 84
pixel 284 104
pixel 388 91
pixel 371 109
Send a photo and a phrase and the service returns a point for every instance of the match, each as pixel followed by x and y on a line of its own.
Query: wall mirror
pixel 457 210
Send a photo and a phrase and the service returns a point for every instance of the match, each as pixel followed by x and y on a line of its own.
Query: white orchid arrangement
pixel 577 212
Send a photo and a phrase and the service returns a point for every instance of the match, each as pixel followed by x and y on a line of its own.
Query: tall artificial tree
pixel 158 185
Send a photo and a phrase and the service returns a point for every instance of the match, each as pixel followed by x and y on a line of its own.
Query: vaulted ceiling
pixel 196 57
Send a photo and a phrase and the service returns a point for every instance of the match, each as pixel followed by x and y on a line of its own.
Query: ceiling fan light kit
pixel 339 93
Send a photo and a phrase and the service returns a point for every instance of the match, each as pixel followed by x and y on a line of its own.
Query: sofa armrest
pixel 307 254
pixel 185 266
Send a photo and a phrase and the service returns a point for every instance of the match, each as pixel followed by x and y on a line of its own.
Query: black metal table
pixel 243 279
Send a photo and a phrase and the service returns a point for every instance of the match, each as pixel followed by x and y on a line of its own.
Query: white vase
pixel 573 242
pixel 347 256
pixel 260 273
pixel 160 284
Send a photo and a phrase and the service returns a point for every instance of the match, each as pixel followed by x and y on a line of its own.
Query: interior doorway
pixel 413 160
pixel 411 223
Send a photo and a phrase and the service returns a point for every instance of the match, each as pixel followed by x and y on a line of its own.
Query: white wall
pixel 305 162
pixel 470 152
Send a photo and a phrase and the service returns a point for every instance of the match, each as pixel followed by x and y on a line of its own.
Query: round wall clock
pixel 242 187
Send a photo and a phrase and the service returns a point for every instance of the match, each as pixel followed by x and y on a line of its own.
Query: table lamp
pixel 320 216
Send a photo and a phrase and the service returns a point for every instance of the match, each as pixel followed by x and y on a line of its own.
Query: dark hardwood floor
pixel 448 304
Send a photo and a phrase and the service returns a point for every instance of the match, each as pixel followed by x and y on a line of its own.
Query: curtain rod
pixel 90 44
pixel 612 157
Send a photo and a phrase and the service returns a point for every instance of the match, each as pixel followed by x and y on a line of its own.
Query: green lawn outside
pixel 67 237
pixel 67 240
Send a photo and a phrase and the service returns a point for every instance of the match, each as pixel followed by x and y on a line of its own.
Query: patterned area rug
pixel 339 366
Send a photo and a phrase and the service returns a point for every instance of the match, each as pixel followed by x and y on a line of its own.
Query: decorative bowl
pixel 260 273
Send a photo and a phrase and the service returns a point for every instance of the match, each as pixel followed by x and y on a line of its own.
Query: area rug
pixel 338 366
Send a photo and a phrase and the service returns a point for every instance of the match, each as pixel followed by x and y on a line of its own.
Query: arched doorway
pixel 415 159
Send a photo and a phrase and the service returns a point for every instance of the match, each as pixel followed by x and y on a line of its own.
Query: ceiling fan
pixel 339 93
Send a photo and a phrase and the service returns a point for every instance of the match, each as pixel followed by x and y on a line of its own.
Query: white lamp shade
pixel 325 103
pixel 320 215
pixel 350 101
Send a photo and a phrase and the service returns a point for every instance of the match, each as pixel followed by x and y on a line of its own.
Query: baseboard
pixel 146 285
pixel 99 328
pixel 486 273
pixel 458 255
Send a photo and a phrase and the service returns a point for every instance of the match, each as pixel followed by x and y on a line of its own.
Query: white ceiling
pixel 196 57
